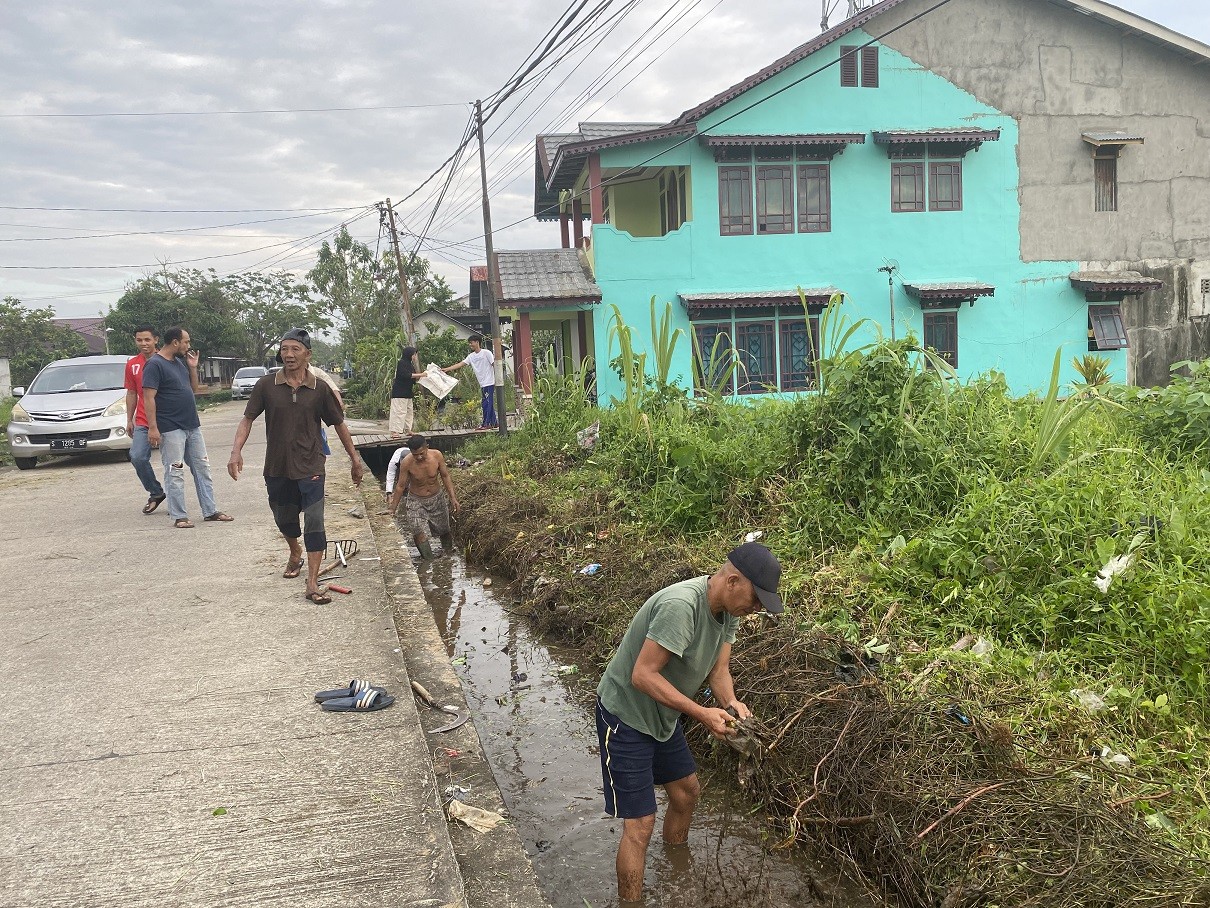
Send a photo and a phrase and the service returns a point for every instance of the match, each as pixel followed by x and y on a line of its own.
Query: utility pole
pixel 492 277
pixel 403 280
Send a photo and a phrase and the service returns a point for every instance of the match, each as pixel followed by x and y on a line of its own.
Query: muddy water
pixel 533 709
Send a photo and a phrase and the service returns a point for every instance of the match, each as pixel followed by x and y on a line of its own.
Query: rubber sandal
pixel 355 688
pixel 220 516
pixel 365 702
pixel 153 502
pixel 293 569
pixel 318 598
pixel 183 523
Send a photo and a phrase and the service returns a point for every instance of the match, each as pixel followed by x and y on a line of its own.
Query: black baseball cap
pixel 296 334
pixel 761 567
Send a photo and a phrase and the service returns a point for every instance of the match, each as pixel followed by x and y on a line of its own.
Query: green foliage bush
pixel 1175 418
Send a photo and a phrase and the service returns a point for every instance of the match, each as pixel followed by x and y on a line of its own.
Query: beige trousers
pixel 400 422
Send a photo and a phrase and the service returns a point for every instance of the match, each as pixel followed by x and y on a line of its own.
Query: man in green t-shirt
pixel 681 637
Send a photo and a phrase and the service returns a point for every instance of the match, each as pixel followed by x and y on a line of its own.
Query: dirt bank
pixel 918 783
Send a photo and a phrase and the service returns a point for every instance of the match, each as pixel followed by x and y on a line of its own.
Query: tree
pixel 361 291
pixel 268 305
pixel 30 339
pixel 200 302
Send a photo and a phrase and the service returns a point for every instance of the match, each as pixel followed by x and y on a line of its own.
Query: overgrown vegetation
pixel 1069 535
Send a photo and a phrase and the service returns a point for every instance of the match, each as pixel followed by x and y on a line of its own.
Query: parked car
pixel 73 406
pixel 245 379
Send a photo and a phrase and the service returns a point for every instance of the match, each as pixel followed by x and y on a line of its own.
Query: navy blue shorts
pixel 290 498
pixel 633 763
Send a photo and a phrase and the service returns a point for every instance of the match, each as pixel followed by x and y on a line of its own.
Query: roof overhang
pixel 824 145
pixel 947 294
pixel 1193 50
pixel 1102 286
pixel 902 143
pixel 701 301
pixel 570 158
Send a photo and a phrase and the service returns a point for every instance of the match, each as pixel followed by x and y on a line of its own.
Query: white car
pixel 245 380
pixel 73 406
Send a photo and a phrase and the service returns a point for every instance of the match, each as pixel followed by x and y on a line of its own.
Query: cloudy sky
pixel 236 135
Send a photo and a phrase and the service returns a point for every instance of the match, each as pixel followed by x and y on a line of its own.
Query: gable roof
pixel 91 329
pixel 1188 47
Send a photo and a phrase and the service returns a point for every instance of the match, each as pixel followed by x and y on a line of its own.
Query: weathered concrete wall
pixel 1060 74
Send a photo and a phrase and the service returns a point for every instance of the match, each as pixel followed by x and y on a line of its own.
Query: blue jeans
pixel 489 407
pixel 181 448
pixel 140 457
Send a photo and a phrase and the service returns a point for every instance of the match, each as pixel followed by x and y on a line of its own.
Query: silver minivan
pixel 73 406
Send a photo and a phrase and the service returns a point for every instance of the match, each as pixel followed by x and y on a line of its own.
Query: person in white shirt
pixel 484 366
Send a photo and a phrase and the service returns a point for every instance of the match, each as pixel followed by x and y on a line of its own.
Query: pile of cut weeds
pixel 931 803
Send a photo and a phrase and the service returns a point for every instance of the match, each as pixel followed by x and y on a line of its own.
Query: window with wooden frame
pixel 799 353
pixel 1105 178
pixel 672 207
pixel 714 344
pixel 858 66
pixel 814 198
pixel 755 345
pixel 1106 330
pixel 941 335
pixel 945 185
pixel 774 347
pixel 907 186
pixel 734 201
pixel 774 198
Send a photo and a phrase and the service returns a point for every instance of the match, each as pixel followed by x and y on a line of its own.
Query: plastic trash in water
pixel 589 569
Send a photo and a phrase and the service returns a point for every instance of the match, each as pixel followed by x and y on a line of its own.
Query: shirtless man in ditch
pixel 422 477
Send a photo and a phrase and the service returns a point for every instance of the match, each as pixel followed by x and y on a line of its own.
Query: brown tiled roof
pixel 1124 282
pixel 547 147
pixel 544 278
pixel 814 138
pixel 91 329
pixel 569 160
pixel 948 290
pixel 697 300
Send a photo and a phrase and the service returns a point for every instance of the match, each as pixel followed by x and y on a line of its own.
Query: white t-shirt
pixel 483 363
pixel 393 467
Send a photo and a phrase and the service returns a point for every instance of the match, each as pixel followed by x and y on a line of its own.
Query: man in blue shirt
pixel 169 384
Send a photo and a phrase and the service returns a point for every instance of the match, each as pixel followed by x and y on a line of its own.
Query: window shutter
pixel 848 65
pixel 869 67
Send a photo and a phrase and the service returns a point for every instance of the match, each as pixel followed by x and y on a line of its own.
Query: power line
pixel 204 258
pixel 634 167
pixel 224 113
pixel 172 230
pixel 180 210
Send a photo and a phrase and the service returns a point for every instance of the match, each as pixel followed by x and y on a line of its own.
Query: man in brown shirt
pixel 294 402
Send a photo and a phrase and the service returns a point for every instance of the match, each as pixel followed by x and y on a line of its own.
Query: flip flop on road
pixel 293 568
pixel 356 688
pixel 153 502
pixel 220 516
pixel 319 597
pixel 183 523
pixel 365 702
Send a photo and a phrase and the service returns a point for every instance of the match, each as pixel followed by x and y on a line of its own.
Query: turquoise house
pixel 843 167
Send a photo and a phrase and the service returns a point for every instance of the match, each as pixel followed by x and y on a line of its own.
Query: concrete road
pixel 158 743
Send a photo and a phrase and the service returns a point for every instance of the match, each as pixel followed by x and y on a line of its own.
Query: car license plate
pixel 68 444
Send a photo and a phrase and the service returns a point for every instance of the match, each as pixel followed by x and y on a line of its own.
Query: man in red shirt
pixel 145 338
